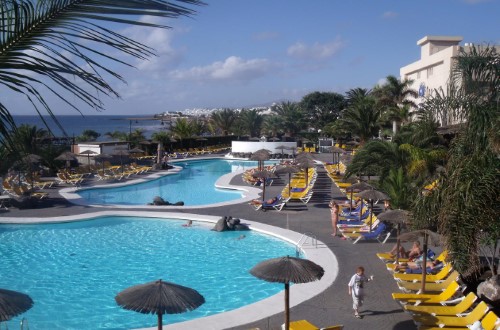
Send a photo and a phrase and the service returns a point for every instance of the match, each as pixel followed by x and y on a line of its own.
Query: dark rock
pixel 241 226
pixel 221 225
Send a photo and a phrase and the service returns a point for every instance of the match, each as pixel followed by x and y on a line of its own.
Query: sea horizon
pixel 74 125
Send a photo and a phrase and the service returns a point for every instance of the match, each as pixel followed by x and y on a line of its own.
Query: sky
pixel 244 53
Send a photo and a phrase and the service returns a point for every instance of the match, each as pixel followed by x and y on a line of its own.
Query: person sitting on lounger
pixel 413 253
pixel 412 266
pixel 269 201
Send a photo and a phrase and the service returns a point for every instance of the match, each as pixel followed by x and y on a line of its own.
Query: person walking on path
pixel 334 209
pixel 356 290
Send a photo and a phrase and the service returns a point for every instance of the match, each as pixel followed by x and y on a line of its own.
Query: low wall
pixel 253 146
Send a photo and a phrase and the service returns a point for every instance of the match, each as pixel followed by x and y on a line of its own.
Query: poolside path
pixel 333 306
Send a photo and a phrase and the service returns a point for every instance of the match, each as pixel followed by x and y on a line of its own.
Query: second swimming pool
pixel 194 185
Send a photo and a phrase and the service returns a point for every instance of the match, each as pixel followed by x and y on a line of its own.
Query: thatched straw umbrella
pixel 159 298
pixel 399 217
pixel 13 303
pixel 287 270
pixel 372 195
pixel 427 234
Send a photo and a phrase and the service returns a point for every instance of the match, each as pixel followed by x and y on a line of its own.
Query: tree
pixel 183 128
pixel 117 135
pixel 53 47
pixel 394 98
pixel 292 116
pixel 252 121
pixel 162 138
pixel 224 120
pixel 273 124
pixel 88 135
pixel 322 108
pixel 464 206
pixel 361 119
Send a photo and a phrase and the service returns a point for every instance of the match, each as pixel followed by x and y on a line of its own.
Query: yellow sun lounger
pixel 453 321
pixel 306 325
pixel 427 298
pixel 457 309
pixel 429 287
pixel 441 275
pixel 489 322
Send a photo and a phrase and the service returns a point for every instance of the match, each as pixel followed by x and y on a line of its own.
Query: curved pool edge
pixel 318 253
pixel 224 182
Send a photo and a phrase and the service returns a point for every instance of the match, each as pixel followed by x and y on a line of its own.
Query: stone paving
pixel 334 305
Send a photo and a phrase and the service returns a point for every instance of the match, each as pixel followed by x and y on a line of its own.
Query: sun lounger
pixel 441 275
pixel 306 325
pixel 418 298
pixel 429 287
pixel 489 322
pixel 377 234
pixel 456 309
pixel 453 321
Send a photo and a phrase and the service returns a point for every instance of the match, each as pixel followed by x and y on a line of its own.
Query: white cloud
pixel 232 69
pixel 160 41
pixel 390 14
pixel 317 51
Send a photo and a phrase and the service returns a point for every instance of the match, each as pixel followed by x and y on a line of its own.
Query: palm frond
pixel 39 39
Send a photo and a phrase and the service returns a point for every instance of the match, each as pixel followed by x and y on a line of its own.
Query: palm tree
pixel 361 118
pixel 162 138
pixel 464 206
pixel 273 124
pixel 394 96
pixel 224 120
pixel 117 135
pixel 252 121
pixel 55 47
pixel 380 156
pixel 183 128
pixel 293 117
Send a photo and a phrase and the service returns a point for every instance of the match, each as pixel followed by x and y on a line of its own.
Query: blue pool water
pixel 194 185
pixel 74 270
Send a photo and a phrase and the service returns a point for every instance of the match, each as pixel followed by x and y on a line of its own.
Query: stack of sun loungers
pixel 443 304
pixel 301 186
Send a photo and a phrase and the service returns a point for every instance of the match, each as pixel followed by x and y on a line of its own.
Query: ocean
pixel 74 125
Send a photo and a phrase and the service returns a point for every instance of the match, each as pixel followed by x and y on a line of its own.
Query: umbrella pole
pixel 160 321
pixel 351 199
pixel 424 263
pixel 263 190
pixel 289 183
pixel 287 306
pixel 371 214
pixel 398 244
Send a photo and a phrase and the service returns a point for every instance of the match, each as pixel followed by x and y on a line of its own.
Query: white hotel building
pixel 433 69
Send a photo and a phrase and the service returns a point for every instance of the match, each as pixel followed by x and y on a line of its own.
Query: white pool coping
pixel 248 192
pixel 317 252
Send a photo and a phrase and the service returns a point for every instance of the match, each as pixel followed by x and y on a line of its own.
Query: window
pixel 429 71
pixel 418 75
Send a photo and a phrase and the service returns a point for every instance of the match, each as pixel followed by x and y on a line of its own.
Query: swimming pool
pixel 194 185
pixel 73 270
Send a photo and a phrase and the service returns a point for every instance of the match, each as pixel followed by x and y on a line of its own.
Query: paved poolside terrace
pixel 323 303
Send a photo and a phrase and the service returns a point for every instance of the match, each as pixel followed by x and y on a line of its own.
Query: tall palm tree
pixel 57 47
pixel 293 117
pixel 362 119
pixel 394 95
pixel 224 120
pixel 465 205
pixel 273 124
pixel 183 128
pixel 162 138
pixel 251 121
